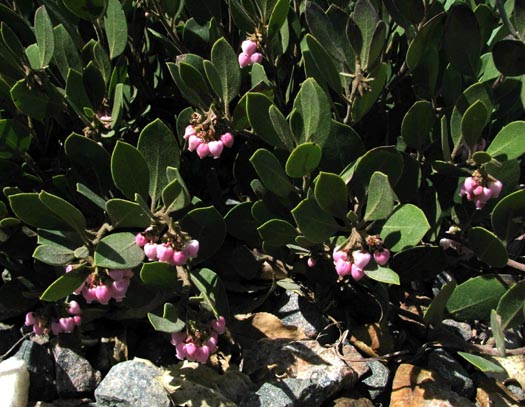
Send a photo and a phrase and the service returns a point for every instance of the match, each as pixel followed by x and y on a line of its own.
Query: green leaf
pixel 474 120
pixel 160 274
pixel 160 149
pixel 14 139
pixel 65 284
pixel 482 363
pixel 30 100
pixel 76 92
pixel 277 17
pixel 31 210
pixel 407 188
pixel 342 146
pixel 116 28
pixel 224 59
pixel 434 314
pixel 130 171
pixel 314 223
pixel 277 232
pixel 497 332
pixel 508 215
pixel 118 251
pixel 425 38
pixel 331 194
pixel 66 54
pixel 211 288
pixel 380 201
pixel 175 196
pixel 324 63
pixel 405 228
pixel 363 104
pixel 86 9
pixel 476 297
pixel 281 127
pixel 165 325
pixel 382 274
pixel 420 263
pixel 127 214
pixel 207 226
pixel 53 255
pixel 509 143
pixel 509 57
pixel 45 38
pixel 463 55
pixel 510 306
pixel 312 114
pixel 418 124
pixel 366 18
pixel 487 247
pixel 303 160
pixel 271 172
pixel 257 109
pixel 59 238
pixel 241 224
pixel 481 157
pixel 65 211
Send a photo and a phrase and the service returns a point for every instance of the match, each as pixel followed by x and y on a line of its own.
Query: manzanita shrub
pixel 158 155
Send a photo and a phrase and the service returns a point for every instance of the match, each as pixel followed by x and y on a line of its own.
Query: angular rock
pixel 417 387
pixel 452 371
pixel 132 383
pixel 376 380
pixel 75 376
pixel 41 367
pixel 295 310
pixel 462 329
pixel 310 373
pixel 14 383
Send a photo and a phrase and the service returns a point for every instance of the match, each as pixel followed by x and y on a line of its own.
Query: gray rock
pixel 452 371
pixel 294 309
pixel 132 384
pixel 461 329
pixel 312 375
pixel 376 380
pixel 41 367
pixel 75 376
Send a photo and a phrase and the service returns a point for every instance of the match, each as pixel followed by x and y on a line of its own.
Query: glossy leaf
pixel 509 143
pixel 65 284
pixel 405 228
pixel 271 172
pixel 129 170
pixel 45 38
pixel 508 215
pixel 331 194
pixel 487 247
pixel 303 160
pixel 380 201
pixel 118 251
pixel 160 150
pixel 510 306
pixel 476 297
pixel 277 232
pixel 314 223
pixel 207 226
pixel 116 28
pixel 417 124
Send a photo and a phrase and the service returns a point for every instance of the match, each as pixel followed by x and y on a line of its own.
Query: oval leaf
pixel 118 251
pixel 405 228
pixel 303 160
pixel 380 201
pixel 130 171
pixel 271 172
pixel 487 247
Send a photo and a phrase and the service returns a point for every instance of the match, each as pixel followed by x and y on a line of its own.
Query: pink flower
pixel 218 325
pixel 244 59
pixel 227 139
pixel 180 349
pixel 496 187
pixel 203 150
pixel 30 319
pixel 189 131
pixel 361 258
pixel 311 262
pixel 150 250
pixel 116 274
pixel 140 240
pixel 382 256
pixel 103 293
pixel 55 328
pixel 74 308
pixel 190 350
pixel 67 324
pixel 357 273
pixel 202 354
pixel 39 329
pixel 194 142
pixel 164 253
pixel 89 294
pixel 343 267
pixel 178 337
pixel 77 319
pixel 339 254
pixel 192 248
pixel 179 258
pixel 256 58
pixel 249 47
pixel 215 148
pixel 119 289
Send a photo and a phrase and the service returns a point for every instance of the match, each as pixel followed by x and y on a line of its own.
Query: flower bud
pixel 203 150
pixel 77 319
pixel 164 253
pixel 74 308
pixel 343 267
pixel 89 294
pixel 191 350
pixel 30 319
pixel 357 273
pixel 361 258
pixel 244 59
pixel 40 330
pixel 192 248
pixel 249 47
pixel 177 337
pixel 179 258
pixel 103 293
pixel 227 139
pixel 55 328
pixel 180 349
pixel 218 325
pixel 202 354
pixel 194 142
pixel 496 187
pixel 256 58
pixel 311 262
pixel 215 148
pixel 119 289
pixel 67 324
pixel 189 131
pixel 150 250
pixel 140 240
pixel 382 256
pixel 339 254
pixel 116 274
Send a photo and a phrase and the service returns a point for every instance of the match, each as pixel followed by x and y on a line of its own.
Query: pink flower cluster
pixel 205 147
pixel 249 54
pixel 115 286
pixel 167 252
pixel 475 189
pixel 61 325
pixel 355 263
pixel 193 349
